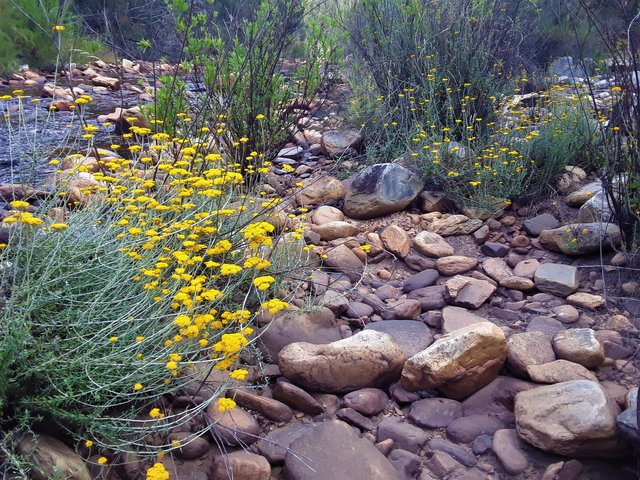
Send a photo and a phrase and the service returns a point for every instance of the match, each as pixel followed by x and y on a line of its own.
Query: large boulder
pixel 367 359
pixel 575 419
pixel 460 363
pixel 381 189
pixel 333 450
pixel 581 238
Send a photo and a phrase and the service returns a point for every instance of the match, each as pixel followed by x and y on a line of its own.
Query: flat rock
pixel 581 238
pixel 274 445
pixel 459 363
pixel 585 300
pixel 432 245
pixel 514 282
pixel 549 326
pixel 528 348
pixel 411 335
pixel 559 371
pixel 434 412
pixel 526 268
pixel 430 298
pixel 566 313
pixel 334 230
pixel 381 189
pixel 557 279
pixel 497 398
pixel 455 264
pixel 334 450
pixel 454 318
pixel 366 359
pixel 461 453
pixel 579 345
pixel 497 269
pixel 268 407
pixel 535 225
pixel 404 435
pixel 510 450
pixel 241 465
pixel 402 309
pixel 469 292
pixel 454 225
pixel 575 419
pixel 467 429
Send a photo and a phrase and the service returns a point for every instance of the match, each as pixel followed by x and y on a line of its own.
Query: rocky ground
pixel 428 344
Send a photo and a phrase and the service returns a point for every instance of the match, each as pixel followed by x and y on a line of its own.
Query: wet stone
pixel 466 429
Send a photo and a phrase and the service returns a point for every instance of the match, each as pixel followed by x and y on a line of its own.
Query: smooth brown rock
pixel 404 309
pixel 333 450
pixel 326 214
pixel 334 230
pixel 241 465
pixel 510 450
pixel 455 265
pixel 566 313
pixel 585 300
pixel 51 458
pixel 191 446
pixel 296 397
pixel 367 401
pixel 581 238
pixel 235 426
pixel 366 359
pixel 528 348
pixel 579 345
pixel 469 292
pixel 526 268
pixel 497 269
pixel 432 245
pixel 342 259
pixel 320 190
pixel 517 283
pixel 575 419
pixel 454 318
pixel 268 407
pixel 454 225
pixel 459 363
pixel 396 240
pixel 293 326
pixel 559 371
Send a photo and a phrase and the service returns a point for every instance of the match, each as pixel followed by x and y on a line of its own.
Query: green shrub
pixel 27 33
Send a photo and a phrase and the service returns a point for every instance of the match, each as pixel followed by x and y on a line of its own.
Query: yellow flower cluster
pixel 225 404
pixel 157 472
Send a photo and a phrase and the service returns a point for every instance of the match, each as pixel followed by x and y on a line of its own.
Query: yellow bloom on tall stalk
pixel 157 472
pixel 225 404
pixel 58 28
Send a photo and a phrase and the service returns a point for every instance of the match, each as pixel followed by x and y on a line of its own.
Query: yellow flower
pixel 225 404
pixel 156 413
pixel 60 28
pixel 19 205
pixel 102 460
pixel 88 443
pixel 59 226
pixel 137 386
pixel 275 305
pixel 264 282
pixel 230 269
pixel 260 116
pixel 239 374
pixel 365 248
pixel 113 339
pixel 157 472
